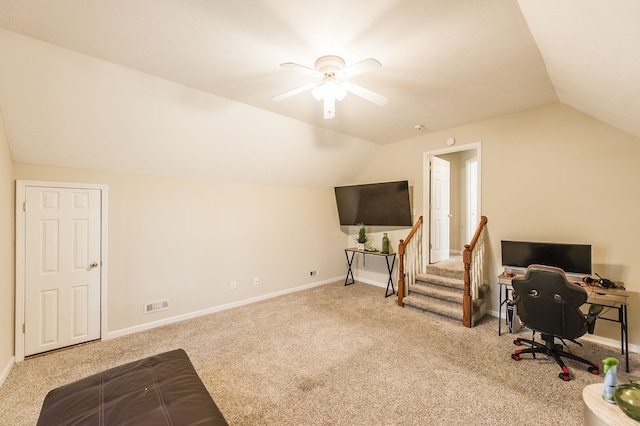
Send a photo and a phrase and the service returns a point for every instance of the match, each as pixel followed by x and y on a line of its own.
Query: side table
pixel 389 257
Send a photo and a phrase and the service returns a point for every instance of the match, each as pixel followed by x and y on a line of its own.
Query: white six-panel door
pixel 62 265
pixel 439 209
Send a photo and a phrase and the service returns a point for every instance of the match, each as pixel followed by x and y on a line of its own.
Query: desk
pixel 389 257
pixel 614 298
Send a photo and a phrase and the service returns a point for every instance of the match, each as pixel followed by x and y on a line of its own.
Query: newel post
pixel 466 298
pixel 400 273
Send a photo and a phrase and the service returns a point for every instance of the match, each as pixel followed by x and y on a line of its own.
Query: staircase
pixel 440 291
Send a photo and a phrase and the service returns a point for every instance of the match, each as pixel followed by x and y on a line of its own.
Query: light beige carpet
pixel 336 355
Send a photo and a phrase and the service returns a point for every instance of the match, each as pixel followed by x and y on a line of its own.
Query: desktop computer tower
pixel 513 320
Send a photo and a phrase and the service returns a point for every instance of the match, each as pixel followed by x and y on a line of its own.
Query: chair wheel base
pixel 515 357
pixel 564 376
pixel 594 370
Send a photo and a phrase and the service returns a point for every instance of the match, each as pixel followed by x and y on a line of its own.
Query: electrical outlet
pixel 314 273
pixel 233 285
pixel 256 280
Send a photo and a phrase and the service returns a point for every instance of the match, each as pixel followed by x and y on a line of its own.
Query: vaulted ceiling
pixel 444 63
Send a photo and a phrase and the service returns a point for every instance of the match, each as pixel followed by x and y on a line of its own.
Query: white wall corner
pixel 6 370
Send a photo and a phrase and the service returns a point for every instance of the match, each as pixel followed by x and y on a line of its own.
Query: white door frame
pixel 426 185
pixel 21 188
pixel 472 182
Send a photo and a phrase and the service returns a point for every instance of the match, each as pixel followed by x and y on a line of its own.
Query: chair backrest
pixel 547 302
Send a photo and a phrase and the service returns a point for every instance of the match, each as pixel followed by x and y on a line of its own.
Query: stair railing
pixel 473 258
pixel 411 249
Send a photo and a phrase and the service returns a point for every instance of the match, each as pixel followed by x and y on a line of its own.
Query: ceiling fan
pixel 333 85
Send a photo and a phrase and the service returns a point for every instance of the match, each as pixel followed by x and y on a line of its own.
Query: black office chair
pixel 548 303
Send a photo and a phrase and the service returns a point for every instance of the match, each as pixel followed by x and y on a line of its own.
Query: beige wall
pixel 6 255
pixel 185 240
pixel 548 174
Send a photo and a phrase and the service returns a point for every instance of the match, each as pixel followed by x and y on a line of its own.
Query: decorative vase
pixel 360 246
pixel 385 244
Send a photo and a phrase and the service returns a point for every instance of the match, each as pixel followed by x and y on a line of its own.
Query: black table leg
pixel 349 271
pixel 503 301
pixel 390 282
pixel 625 335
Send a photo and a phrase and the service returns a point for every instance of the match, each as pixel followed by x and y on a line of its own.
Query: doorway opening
pixel 453 202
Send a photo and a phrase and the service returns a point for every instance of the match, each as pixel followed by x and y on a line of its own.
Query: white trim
pixel 426 190
pixel 470 227
pixel 609 342
pixel 375 283
pixel 21 187
pixel 178 318
pixel 6 370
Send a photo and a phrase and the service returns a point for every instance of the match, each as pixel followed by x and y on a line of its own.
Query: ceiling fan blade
pixel 295 91
pixel 301 68
pixel 365 93
pixel 365 65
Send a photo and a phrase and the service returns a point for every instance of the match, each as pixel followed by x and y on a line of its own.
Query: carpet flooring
pixel 335 355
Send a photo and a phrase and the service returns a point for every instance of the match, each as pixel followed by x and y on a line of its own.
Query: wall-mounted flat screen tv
pixel 380 204
pixel 572 258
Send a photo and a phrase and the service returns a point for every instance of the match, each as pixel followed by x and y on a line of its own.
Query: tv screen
pixel 571 258
pixel 380 204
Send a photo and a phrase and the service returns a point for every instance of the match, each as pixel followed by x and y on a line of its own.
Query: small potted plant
pixel 361 236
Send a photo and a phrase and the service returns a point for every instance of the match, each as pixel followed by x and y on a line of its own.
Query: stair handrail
pixel 402 245
pixel 470 254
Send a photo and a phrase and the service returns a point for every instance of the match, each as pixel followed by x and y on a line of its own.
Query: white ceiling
pixel 444 63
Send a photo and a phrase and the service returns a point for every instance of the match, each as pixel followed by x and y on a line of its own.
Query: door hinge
pixel 24 206
pixel 24 328
pixel 430 246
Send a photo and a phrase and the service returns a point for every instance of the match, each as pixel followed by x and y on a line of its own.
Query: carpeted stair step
pixel 442 281
pixel 452 311
pixel 444 293
pixel 452 268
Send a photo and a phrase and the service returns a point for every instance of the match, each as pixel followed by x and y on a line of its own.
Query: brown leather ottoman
pixel 163 389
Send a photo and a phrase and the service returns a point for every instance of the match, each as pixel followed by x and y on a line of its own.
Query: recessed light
pixel 418 127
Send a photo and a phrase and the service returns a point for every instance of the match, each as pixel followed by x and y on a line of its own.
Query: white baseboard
pixel 6 370
pixel 614 343
pixel 376 283
pixel 178 318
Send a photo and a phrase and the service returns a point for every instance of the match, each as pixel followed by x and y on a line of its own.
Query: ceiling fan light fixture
pixel 328 92
pixel 329 88
pixel 333 85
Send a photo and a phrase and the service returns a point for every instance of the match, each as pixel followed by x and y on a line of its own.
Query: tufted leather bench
pixel 163 389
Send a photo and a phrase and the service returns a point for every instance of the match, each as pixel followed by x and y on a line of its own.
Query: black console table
pixel 389 257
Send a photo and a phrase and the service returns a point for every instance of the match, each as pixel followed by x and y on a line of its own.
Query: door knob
pixel 93 265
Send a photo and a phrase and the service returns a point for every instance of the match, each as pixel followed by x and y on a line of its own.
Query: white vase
pixel 360 246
